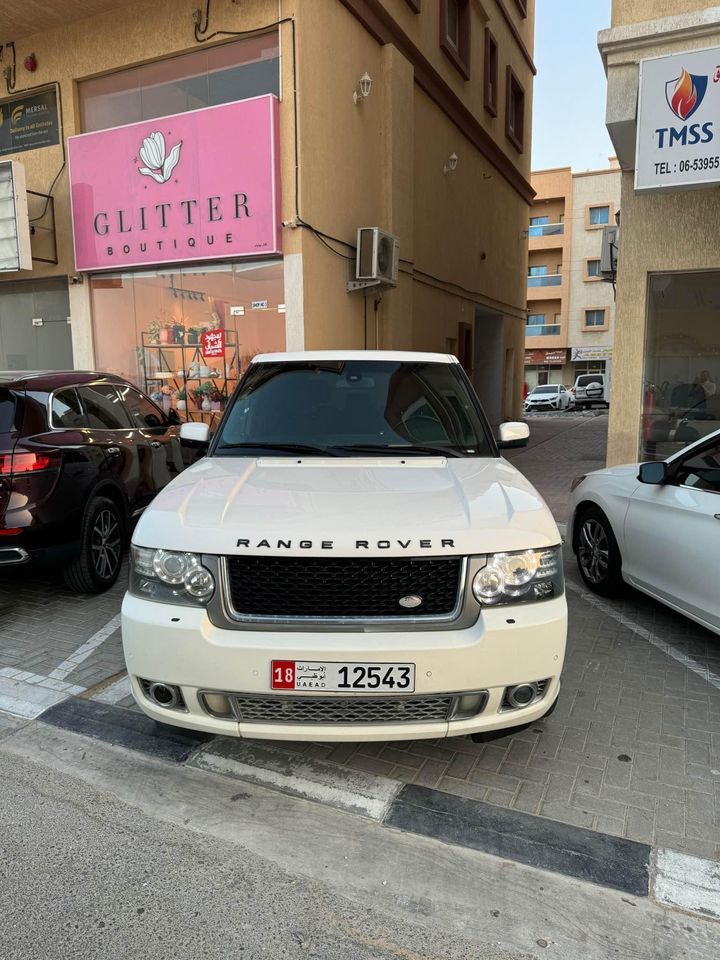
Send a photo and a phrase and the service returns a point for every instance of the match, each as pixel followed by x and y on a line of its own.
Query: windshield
pixel 354 407
pixel 546 389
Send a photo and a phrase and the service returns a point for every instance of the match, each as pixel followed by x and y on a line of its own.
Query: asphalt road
pixel 83 875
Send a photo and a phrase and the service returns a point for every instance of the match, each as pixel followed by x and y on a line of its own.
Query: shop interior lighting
pixel 362 91
pixel 451 163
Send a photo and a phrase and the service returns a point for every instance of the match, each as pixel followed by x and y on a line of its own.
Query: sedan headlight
pixel 519 577
pixel 169 576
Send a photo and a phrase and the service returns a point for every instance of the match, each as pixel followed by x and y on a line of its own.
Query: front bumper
pixel 506 645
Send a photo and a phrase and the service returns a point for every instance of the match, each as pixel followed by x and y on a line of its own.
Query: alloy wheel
pixel 594 551
pixel 106 544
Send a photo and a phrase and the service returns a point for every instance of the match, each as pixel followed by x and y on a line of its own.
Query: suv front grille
pixel 330 710
pixel 341 588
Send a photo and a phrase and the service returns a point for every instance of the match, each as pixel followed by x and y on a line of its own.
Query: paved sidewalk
pixel 633 748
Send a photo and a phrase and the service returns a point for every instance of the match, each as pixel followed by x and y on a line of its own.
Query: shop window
pixel 681 376
pixel 594 318
pixel 593 270
pixel 203 78
pixel 148 327
pixel 598 216
pixel 455 33
pixel 490 83
pixel 515 111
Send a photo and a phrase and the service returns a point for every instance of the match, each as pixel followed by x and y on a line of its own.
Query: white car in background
pixel 550 396
pixel 654 526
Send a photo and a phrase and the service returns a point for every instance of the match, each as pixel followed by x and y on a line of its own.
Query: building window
pixel 599 216
pixel 455 33
pixel 593 269
pixel 203 78
pixel 465 346
pixel 594 318
pixel 515 111
pixel 537 271
pixel 491 73
pixel 538 221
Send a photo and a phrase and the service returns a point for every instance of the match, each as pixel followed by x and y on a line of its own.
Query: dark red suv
pixel 81 456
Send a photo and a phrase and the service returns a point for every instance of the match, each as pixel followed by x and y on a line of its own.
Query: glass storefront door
pixel 149 327
pixel 681 386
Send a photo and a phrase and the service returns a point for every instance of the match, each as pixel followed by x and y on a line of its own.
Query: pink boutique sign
pixel 202 185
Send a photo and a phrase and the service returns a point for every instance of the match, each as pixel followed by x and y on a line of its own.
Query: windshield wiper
pixel 284 447
pixel 396 450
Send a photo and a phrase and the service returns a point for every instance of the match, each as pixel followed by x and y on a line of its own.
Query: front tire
pixel 598 555
pixel 102 540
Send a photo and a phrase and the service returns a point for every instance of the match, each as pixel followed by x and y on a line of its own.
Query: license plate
pixel 342 677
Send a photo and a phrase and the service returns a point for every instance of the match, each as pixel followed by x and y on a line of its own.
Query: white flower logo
pixel 152 154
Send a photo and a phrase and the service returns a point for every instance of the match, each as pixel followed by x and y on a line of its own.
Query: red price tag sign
pixel 283 675
pixel 213 343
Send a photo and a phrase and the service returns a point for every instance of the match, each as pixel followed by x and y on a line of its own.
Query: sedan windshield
pixel 354 407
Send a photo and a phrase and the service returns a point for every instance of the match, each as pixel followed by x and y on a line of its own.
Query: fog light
pixel 521 695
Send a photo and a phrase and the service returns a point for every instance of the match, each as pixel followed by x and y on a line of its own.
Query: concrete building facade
pixel 667 350
pixel 571 308
pixel 437 153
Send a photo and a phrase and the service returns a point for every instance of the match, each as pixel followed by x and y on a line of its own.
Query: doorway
pixel 34 329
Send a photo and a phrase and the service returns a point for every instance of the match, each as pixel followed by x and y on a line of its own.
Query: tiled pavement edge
pixel 631 867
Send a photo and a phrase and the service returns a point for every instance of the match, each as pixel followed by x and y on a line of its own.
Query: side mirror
pixel 513 435
pixel 655 472
pixel 195 434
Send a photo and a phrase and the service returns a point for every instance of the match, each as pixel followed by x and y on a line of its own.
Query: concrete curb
pixel 672 879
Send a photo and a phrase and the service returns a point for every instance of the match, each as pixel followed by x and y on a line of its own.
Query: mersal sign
pixel 202 185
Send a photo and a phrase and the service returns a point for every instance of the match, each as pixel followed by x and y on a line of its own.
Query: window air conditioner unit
pixel 609 252
pixel 378 256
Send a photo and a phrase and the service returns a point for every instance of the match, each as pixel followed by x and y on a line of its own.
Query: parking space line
pixel 697 668
pixel 84 651
pixel 114 692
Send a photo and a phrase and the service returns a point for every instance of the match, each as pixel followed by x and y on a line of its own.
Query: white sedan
pixel 552 396
pixel 654 526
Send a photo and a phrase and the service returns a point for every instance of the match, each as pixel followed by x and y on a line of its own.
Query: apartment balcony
pixel 546 280
pixel 547 230
pixel 542 330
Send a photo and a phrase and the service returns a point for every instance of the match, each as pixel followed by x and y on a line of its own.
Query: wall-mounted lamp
pixel 450 163
pixel 362 91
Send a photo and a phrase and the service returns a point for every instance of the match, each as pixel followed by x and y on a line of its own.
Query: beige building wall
pixel 377 164
pixel 660 232
pixel 593 188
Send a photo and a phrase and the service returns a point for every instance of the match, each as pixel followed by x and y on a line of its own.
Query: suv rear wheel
pixel 102 541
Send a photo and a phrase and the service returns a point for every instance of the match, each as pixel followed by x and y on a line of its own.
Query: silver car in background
pixel 548 396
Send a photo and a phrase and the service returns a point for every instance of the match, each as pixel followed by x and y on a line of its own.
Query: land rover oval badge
pixel 410 602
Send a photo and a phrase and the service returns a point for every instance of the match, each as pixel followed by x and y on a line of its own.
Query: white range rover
pixel 351 560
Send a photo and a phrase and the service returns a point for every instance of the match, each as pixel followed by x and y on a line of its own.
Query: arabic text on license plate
pixel 341 677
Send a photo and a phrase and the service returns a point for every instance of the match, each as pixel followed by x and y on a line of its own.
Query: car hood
pixel 314 506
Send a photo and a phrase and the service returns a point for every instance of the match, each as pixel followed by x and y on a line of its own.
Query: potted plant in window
pixel 193 334
pixel 178 332
pixel 181 400
pixel 201 395
pixel 216 398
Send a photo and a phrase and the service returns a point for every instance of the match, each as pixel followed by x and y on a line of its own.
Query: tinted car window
pixel 7 411
pixel 355 406
pixel 142 412
pixel 701 471
pixel 103 407
pixel 589 378
pixel 66 410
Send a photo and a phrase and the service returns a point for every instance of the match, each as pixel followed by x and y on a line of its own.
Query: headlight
pixel 169 576
pixel 519 577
